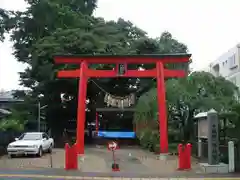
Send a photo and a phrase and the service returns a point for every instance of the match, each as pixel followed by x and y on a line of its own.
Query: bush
pixel 154 138
pixel 173 147
pixel 11 124
pixel 144 138
pixel 148 138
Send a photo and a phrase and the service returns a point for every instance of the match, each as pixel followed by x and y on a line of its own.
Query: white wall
pixel 225 62
pixel 229 63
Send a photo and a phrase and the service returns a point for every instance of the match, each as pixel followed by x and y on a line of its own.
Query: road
pixel 57 174
pixel 97 165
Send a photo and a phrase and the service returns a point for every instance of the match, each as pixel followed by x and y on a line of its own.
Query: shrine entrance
pixel 115 124
pixel 121 70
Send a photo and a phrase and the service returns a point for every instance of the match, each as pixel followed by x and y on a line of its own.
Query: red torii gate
pixel 121 61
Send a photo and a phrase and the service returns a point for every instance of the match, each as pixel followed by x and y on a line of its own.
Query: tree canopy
pixel 68 27
pixel 186 97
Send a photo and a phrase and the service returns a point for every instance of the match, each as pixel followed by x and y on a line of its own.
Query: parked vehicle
pixel 31 143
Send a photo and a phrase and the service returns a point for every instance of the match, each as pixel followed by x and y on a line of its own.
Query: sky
pixel 208 28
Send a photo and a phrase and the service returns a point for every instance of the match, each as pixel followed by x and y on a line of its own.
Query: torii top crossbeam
pixel 124 60
pixel 110 59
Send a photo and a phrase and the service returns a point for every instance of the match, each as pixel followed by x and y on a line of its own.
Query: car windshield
pixel 30 136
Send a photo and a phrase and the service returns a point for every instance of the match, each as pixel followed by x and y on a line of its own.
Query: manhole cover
pixel 134 160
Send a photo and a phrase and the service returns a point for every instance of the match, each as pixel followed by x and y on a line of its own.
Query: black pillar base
pixel 115 167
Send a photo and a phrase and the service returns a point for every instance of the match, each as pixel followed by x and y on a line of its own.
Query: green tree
pixel 63 28
pixel 9 124
pixel 27 29
pixel 4 19
pixel 68 27
pixel 201 91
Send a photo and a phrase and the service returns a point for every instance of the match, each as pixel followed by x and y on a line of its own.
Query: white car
pixel 31 143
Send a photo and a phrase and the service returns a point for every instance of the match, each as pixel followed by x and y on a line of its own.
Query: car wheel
pixel 50 149
pixel 40 152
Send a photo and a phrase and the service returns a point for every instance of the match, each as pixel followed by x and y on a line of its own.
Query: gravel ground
pixel 56 159
pixel 99 159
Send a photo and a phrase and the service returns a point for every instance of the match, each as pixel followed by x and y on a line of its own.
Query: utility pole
pixel 39 117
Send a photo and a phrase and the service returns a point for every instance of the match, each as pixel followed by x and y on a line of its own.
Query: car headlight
pixel 10 146
pixel 34 146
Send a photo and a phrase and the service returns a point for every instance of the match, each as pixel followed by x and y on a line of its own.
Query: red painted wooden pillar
pixel 81 114
pixel 162 113
pixel 96 123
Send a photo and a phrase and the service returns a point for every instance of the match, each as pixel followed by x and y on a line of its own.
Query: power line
pixel 102 89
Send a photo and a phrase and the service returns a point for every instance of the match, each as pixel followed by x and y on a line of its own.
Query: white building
pixel 228 65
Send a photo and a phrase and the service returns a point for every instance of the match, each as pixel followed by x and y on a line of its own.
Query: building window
pixel 232 62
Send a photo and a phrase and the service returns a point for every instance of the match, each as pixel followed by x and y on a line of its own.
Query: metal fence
pixel 223 153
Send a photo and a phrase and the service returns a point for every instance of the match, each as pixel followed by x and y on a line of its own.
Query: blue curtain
pixel 116 134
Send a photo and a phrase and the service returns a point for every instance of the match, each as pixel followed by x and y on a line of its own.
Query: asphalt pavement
pixel 37 174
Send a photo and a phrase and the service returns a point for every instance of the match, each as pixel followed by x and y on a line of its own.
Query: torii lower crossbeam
pixel 83 73
pixel 112 73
